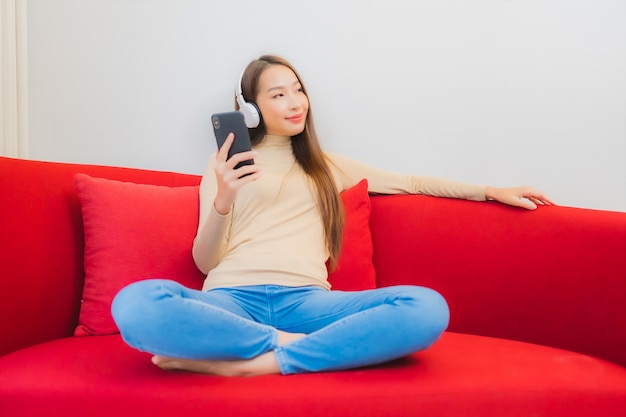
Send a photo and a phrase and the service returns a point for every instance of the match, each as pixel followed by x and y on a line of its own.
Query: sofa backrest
pixel 554 276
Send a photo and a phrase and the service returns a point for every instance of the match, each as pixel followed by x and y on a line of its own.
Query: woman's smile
pixel 296 118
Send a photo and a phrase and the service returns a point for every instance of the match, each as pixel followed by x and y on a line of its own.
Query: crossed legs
pixel 232 332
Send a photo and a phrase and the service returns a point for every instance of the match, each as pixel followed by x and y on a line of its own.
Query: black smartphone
pixel 232 122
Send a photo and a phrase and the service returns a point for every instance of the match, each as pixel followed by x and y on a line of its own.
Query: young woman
pixel 265 233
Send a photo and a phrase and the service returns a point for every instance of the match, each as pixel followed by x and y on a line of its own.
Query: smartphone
pixel 232 122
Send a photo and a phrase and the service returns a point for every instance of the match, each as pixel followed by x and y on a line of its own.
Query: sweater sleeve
pixel 211 238
pixel 348 172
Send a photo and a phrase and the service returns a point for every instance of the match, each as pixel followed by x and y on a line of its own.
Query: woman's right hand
pixel 229 179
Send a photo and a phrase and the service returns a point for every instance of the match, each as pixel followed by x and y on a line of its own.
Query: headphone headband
pixel 239 90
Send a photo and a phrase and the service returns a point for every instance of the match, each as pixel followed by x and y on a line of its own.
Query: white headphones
pixel 251 113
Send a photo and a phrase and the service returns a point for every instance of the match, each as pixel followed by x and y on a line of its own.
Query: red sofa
pixel 537 299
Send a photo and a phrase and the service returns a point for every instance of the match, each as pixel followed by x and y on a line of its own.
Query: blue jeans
pixel 344 329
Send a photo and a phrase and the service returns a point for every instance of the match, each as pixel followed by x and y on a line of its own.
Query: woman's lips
pixel 296 118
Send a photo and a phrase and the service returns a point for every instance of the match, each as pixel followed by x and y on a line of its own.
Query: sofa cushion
pixel 461 375
pixel 355 268
pixel 138 231
pixel 132 232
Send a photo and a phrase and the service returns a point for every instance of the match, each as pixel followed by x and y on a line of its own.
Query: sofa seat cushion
pixel 461 375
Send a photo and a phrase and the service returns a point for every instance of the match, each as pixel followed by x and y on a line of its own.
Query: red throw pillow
pixel 355 270
pixel 136 231
pixel 132 232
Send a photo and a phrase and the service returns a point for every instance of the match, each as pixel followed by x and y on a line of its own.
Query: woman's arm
pixel 218 191
pixel 349 172
pixel 210 241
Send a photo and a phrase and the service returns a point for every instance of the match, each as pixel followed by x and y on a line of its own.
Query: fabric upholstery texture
pixel 355 269
pixel 561 261
pixel 461 375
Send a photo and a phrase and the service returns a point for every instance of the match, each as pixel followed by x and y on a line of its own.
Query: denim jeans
pixel 343 329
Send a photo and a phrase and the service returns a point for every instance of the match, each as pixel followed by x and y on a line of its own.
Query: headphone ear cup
pixel 251 114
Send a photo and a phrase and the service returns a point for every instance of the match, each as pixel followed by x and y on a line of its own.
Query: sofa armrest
pixel 555 276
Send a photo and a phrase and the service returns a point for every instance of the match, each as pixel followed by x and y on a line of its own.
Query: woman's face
pixel 282 102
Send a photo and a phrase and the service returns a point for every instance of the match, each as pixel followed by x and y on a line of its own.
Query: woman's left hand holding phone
pixel 229 179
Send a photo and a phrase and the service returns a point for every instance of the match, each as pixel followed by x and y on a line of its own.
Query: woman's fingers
pixel 525 196
pixel 222 153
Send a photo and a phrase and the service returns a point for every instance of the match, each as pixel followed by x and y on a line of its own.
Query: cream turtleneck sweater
pixel 273 233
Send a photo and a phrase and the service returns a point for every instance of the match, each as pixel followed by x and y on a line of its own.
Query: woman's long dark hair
pixel 308 154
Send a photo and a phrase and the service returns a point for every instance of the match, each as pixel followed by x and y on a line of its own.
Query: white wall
pixel 503 92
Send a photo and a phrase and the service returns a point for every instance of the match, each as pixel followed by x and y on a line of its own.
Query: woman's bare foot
pixel 261 365
pixel 286 337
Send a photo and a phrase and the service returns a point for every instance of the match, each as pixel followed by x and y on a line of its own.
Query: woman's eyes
pixel 278 95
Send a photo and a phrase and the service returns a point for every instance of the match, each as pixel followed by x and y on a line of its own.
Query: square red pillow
pixel 132 232
pixel 355 270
